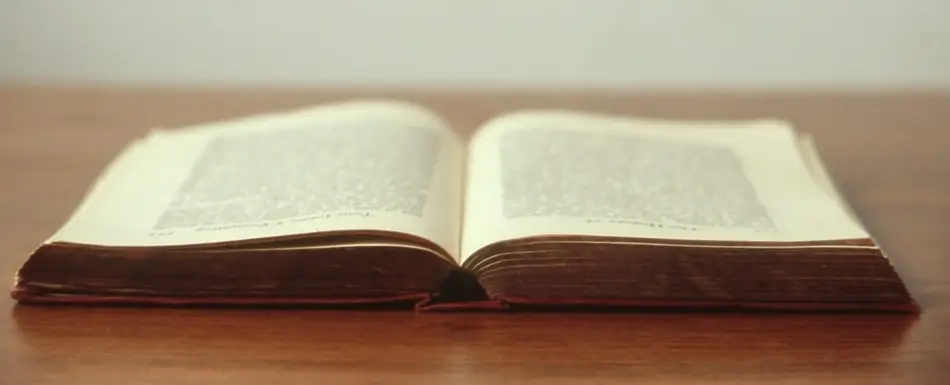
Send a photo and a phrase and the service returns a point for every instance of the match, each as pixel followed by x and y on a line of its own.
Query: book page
pixel 570 173
pixel 370 165
pixel 816 166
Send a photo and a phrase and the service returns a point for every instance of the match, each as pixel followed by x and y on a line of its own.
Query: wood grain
pixel 889 152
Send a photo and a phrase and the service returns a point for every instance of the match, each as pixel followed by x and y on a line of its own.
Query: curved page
pixel 550 173
pixel 367 166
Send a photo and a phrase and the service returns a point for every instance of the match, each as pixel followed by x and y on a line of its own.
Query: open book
pixel 381 201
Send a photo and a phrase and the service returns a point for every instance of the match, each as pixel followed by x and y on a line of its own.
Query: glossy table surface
pixel 890 154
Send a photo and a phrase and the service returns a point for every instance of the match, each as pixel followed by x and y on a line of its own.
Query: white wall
pixel 663 43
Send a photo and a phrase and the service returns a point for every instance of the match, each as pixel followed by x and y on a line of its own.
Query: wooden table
pixel 890 152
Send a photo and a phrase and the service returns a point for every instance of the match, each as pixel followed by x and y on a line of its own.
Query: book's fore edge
pixel 85 200
pixel 473 262
pixel 32 275
pixel 40 255
pixel 822 175
pixel 35 290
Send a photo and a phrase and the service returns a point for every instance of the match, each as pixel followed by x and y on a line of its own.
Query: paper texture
pixel 349 166
pixel 567 173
